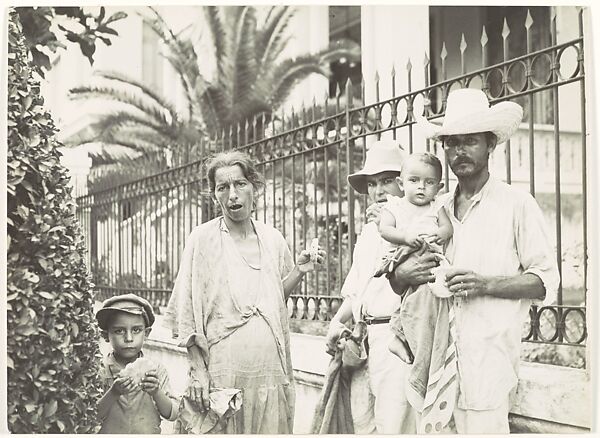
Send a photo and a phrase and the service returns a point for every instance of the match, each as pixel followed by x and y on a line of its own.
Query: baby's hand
pixel 438 238
pixel 415 240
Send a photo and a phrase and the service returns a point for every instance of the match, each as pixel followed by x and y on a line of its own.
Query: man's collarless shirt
pixel 503 233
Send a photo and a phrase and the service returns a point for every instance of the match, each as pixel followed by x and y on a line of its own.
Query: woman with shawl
pixel 228 304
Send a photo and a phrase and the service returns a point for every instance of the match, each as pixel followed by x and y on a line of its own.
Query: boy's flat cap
pixel 128 303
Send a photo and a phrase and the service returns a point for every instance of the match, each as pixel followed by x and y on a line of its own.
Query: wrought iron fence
pixel 136 231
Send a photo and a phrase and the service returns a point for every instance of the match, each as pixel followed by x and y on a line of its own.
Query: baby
pixel 414 221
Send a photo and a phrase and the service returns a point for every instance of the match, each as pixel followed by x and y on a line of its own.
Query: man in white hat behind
pixel 379 406
pixel 501 254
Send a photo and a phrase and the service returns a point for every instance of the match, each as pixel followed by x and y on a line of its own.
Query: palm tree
pixel 251 79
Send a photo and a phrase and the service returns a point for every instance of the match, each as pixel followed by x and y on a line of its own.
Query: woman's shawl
pixel 203 280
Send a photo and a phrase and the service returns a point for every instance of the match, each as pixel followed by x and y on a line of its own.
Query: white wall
pixel 72 69
pixel 310 34
pixel 390 37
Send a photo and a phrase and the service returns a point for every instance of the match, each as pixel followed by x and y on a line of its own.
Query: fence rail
pixel 136 230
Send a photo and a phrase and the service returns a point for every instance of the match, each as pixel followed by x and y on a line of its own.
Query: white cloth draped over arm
pixel 183 311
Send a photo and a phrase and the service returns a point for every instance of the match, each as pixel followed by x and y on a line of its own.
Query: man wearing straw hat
pixel 501 254
pixel 378 400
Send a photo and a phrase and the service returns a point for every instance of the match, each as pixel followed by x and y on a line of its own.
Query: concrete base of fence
pixel 549 399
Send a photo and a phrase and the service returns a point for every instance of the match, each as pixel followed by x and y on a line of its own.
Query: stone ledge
pixel 549 399
pixel 162 345
pixel 555 394
pixel 521 424
pixel 309 379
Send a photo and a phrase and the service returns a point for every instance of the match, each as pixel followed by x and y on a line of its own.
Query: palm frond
pixel 289 73
pixel 146 135
pixel 272 35
pixel 244 55
pixel 180 54
pixel 218 34
pixel 220 106
pixel 274 38
pixel 249 109
pixel 146 90
pixel 133 100
pixel 105 126
pixel 110 152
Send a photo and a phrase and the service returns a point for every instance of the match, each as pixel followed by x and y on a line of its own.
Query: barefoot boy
pixel 137 390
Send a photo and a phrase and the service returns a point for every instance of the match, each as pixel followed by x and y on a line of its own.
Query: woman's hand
pixel 199 389
pixel 307 262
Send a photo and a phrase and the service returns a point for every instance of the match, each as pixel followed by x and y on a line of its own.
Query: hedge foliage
pixel 52 340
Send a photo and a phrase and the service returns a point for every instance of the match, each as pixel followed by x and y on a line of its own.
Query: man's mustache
pixel 462 161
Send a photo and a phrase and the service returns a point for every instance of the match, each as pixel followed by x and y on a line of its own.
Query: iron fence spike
pixel 552 13
pixel 426 59
pixel 463 43
pixel 362 89
pixel 409 65
pixel 393 70
pixel 444 52
pixel 528 20
pixel 505 29
pixel 349 93
pixel 376 76
pixel 484 37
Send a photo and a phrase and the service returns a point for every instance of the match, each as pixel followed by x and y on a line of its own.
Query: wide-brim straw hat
pixel 382 156
pixel 468 111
